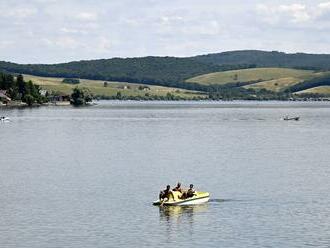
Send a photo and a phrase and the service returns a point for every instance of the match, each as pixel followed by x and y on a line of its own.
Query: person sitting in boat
pixel 165 194
pixel 189 193
pixel 178 188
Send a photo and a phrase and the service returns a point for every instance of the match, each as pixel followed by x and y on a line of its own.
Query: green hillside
pixel 96 87
pixel 291 83
pixel 275 85
pixel 322 90
pixel 240 72
pixel 270 79
pixel 171 71
pixel 311 81
pixel 249 75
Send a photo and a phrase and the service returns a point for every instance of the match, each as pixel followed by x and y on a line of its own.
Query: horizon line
pixel 168 56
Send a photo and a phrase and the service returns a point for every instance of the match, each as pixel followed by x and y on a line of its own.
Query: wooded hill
pixel 268 59
pixel 148 70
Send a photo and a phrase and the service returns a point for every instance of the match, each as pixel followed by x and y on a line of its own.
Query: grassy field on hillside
pixel 250 75
pixel 324 90
pixel 276 85
pixel 282 84
pixel 97 88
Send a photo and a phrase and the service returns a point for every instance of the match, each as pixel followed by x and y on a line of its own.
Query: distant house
pixel 3 97
pixel 43 92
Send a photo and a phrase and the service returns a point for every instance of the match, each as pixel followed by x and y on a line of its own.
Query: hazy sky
pixel 48 31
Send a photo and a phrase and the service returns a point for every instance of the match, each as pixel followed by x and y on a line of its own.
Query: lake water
pixel 86 177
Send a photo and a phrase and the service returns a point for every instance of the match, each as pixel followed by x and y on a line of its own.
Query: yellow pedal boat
pixel 198 198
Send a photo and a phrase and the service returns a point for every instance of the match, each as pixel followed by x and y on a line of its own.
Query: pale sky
pixel 52 31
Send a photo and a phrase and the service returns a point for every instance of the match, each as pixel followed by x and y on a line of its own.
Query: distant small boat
pixel 287 118
pixel 4 119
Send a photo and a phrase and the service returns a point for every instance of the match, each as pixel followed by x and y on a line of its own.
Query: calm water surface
pixel 86 177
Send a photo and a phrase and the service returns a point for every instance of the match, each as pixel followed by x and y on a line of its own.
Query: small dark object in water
pixel 287 118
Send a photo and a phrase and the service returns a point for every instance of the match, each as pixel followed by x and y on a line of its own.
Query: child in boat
pixel 166 193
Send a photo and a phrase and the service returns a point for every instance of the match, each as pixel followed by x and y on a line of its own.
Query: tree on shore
pixel 28 99
pixel 119 96
pixel 80 96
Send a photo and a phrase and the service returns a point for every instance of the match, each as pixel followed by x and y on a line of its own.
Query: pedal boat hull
pixel 199 198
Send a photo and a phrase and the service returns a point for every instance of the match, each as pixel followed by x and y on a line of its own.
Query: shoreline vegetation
pixel 17 91
pixel 28 90
pixel 20 104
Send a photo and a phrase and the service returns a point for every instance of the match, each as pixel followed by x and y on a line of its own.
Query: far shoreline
pixel 183 103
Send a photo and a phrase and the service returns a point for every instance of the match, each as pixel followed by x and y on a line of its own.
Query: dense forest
pixel 18 89
pixel 268 59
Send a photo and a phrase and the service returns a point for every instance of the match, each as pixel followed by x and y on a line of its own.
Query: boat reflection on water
pixel 176 219
pixel 180 214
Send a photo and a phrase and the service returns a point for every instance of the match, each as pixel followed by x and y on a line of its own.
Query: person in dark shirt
pixel 191 191
pixel 166 193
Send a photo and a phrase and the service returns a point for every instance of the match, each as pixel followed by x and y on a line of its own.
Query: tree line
pixel 18 89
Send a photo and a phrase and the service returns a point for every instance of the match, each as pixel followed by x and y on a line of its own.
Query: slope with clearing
pixel 249 75
pixel 322 90
pixel 276 85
